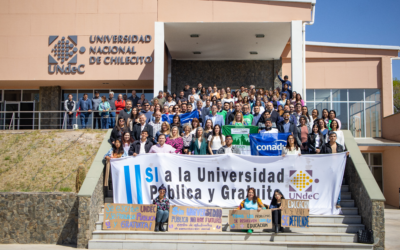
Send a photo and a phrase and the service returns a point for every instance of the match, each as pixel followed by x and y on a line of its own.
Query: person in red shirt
pixel 120 103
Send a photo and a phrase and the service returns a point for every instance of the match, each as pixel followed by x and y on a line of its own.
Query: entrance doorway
pixel 18 120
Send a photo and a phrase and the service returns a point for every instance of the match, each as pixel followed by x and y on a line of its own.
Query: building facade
pixel 49 49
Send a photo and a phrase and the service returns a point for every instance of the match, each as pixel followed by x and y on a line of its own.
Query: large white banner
pixel 222 180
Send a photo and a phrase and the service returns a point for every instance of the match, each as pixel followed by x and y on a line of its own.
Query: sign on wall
pixel 250 219
pixel 129 217
pixel 104 49
pixel 194 219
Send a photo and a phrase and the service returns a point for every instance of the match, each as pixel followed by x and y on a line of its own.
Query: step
pixel 219 244
pixel 108 200
pixel 313 227
pixel 346 219
pixel 347 203
pixel 345 188
pixel 227 236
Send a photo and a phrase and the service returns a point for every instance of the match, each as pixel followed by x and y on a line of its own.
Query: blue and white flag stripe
pixel 185 118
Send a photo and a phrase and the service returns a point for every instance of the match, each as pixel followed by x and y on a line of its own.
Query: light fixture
pixel 260 36
pixel 197 52
pixel 105 82
pixel 253 53
pixel 194 35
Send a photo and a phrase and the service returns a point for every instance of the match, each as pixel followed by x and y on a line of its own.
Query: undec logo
pixel 301 185
pixel 64 50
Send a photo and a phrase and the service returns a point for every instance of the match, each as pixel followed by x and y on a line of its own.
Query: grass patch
pixel 7 158
pixel 65 189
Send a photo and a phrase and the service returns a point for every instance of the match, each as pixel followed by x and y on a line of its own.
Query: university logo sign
pixel 301 185
pixel 63 57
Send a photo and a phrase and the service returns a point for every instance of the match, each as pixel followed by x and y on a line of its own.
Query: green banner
pixel 240 136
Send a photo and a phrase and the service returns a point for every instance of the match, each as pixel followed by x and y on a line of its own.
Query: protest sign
pixel 295 213
pixel 250 219
pixel 191 219
pixel 129 217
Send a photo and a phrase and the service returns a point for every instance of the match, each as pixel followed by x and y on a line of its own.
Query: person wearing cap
pixel 284 81
pixel 95 105
pixel 160 98
pixel 162 203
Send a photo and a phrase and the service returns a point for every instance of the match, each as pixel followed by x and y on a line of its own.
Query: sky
pixel 374 22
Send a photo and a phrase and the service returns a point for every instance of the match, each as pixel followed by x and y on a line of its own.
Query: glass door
pixel 9 119
pixel 26 120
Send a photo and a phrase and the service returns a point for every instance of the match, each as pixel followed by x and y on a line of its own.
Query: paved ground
pixel 392 228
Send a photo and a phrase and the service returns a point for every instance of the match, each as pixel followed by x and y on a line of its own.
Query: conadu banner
pixel 222 180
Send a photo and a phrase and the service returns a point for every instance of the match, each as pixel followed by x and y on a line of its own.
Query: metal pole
pixel 39 120
pixel 13 120
pixel 92 118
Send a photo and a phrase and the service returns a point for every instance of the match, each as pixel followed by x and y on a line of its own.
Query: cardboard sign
pixel 295 213
pixel 250 219
pixel 195 219
pixel 129 217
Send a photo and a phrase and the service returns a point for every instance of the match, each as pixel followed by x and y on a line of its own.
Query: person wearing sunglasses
pixel 146 112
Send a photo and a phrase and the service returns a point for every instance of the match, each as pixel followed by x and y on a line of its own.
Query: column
pixel 297 56
pixel 158 57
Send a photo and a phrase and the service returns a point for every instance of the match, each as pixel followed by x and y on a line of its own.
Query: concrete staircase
pixel 325 231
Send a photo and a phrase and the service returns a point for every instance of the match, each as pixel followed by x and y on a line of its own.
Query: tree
pixel 396 95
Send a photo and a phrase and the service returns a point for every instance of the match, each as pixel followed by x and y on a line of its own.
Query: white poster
pixel 222 180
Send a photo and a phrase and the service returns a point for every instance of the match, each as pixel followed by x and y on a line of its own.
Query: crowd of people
pixel 139 128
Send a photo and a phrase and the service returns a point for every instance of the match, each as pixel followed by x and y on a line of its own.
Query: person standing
pixel 199 143
pixel 228 148
pixel 104 108
pixel 85 107
pixel 284 81
pixel 332 147
pixel 141 146
pixel 303 131
pixel 175 140
pixel 288 126
pixel 268 128
pixel 160 98
pixel 215 118
pixel 247 116
pixel 96 114
pixel 162 203
pixel 276 207
pixel 156 124
pixel 216 140
pixel 291 147
pixel 181 97
pixel 194 94
pixel 119 104
pixel 126 112
pixel 134 98
pixel 69 106
pixel 142 125
pixel 161 146
pixel 146 112
pixel 315 140
pixel 256 115
pixel 187 91
pixel 334 126
pixel 111 101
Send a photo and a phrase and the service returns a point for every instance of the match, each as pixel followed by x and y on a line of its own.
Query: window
pixel 374 162
pixel 359 110
pixel 12 95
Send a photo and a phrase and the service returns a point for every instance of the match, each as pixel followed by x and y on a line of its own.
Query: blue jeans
pixel 338 199
pixel 111 120
pixel 104 120
pixel 162 216
pixel 84 118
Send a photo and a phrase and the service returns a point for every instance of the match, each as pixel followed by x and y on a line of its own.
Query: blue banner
pixel 185 118
pixel 268 144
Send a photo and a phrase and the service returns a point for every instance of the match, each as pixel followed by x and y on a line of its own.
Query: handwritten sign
pixel 295 213
pixel 129 217
pixel 195 219
pixel 250 219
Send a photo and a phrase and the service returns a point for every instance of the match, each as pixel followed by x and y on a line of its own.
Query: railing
pixel 37 120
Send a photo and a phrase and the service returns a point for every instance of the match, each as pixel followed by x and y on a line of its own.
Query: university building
pixel 49 49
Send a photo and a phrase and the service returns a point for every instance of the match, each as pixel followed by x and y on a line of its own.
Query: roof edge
pixel 295 1
pixel 357 46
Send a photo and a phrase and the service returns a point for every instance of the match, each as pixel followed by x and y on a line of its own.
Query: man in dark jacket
pixel 141 146
pixel 187 91
pixel 134 98
pixel 333 147
pixel 287 126
pixel 111 119
pixel 274 114
pixel 142 125
pixel 69 106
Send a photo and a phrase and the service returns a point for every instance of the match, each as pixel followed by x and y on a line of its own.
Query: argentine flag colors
pixel 185 118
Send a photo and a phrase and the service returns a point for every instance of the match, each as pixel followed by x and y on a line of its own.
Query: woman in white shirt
pixel 339 133
pixel 216 140
pixel 291 147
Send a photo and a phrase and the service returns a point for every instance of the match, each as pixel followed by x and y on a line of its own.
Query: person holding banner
pixel 162 203
pixel 199 143
pixel 315 140
pixel 141 146
pixel 161 146
pixel 291 147
pixel 175 140
pixel 228 148
pixel 276 208
pixel 252 202
pixel 117 151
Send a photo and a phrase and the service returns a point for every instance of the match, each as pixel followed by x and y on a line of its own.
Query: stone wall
pixel 372 212
pixel 225 73
pixel 89 209
pixel 33 218
pixel 50 99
